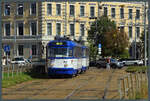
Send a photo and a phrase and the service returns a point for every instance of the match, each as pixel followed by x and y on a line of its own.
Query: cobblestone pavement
pixel 94 84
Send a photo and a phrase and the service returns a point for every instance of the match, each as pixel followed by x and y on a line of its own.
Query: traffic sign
pixel 6 48
pixel 99 48
pixel 99 45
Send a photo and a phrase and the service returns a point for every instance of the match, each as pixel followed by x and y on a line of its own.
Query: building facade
pixel 28 26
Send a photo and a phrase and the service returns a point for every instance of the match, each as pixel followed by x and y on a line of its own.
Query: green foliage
pixel 104 31
pixel 93 51
pixel 133 69
pixel 7 82
pixel 125 54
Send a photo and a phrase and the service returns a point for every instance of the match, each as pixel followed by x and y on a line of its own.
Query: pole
pixel 135 40
pixel 148 70
pixel 145 37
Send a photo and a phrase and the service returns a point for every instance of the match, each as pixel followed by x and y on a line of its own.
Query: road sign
pixel 99 48
pixel 6 48
pixel 99 45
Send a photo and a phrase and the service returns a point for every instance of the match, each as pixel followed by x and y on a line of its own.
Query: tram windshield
pixel 59 52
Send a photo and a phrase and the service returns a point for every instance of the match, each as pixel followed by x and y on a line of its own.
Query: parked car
pixel 101 63
pixel 128 62
pixel 114 63
pixel 19 60
pixel 92 63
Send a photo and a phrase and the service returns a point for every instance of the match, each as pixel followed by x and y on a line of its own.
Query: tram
pixel 66 57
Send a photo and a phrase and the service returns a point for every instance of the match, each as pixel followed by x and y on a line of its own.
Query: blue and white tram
pixel 85 58
pixel 64 57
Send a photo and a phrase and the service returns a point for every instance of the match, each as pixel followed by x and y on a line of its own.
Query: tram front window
pixel 58 52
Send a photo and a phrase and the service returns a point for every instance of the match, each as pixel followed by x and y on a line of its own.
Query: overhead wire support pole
pixel 145 36
pixel 135 39
pixel 148 70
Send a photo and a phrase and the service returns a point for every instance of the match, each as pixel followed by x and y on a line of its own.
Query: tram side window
pixel 84 52
pixel 70 53
pixel 77 52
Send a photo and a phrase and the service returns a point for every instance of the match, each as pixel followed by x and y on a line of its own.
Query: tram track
pixel 94 84
pixel 81 85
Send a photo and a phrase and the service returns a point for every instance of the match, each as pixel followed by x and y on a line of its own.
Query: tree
pixel 104 31
pixel 142 43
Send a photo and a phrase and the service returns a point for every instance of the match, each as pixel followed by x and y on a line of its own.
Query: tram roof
pixel 64 43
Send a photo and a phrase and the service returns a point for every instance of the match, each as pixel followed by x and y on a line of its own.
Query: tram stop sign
pixel 99 48
pixel 6 48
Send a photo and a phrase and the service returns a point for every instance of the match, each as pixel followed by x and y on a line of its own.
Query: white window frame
pixel 5 29
pixel 113 14
pixel 136 14
pixel 130 14
pixel 31 28
pixel 137 30
pixel 81 29
pixel 90 11
pixel 47 28
pixel 36 50
pixel 122 16
pixel 18 8
pixel 60 28
pixel 18 50
pixel 56 10
pixel 70 10
pixel 31 8
pixel 131 32
pixel 18 28
pixel 106 11
pixel 51 9
pixel 83 11
pixel 70 29
pixel 5 9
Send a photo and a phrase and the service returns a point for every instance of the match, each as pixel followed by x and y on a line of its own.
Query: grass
pixel 16 79
pixel 133 69
pixel 143 94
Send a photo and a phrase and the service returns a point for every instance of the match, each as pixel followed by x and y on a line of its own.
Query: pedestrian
pixel 4 61
pixel 108 63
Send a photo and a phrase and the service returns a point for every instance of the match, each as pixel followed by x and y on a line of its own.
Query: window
pixel 72 29
pixel 34 52
pixel 122 29
pixel 7 29
pixel 20 50
pixel 121 13
pixel 33 28
pixel 137 14
pixel 49 28
pixel 105 11
pixel 113 12
pixel 7 9
pixel 92 11
pixel 58 28
pixel 130 31
pixel 49 9
pixel 33 9
pixel 130 13
pixel 58 9
pixel 72 10
pixel 20 9
pixel 138 32
pixel 81 10
pixel 20 28
pixel 82 29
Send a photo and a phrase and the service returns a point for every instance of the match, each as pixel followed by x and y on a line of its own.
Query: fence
pixel 11 70
pixel 132 83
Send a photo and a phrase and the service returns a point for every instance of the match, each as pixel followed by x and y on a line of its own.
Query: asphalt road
pixel 94 84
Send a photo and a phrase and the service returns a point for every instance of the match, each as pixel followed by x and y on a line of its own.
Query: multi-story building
pixel 28 26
